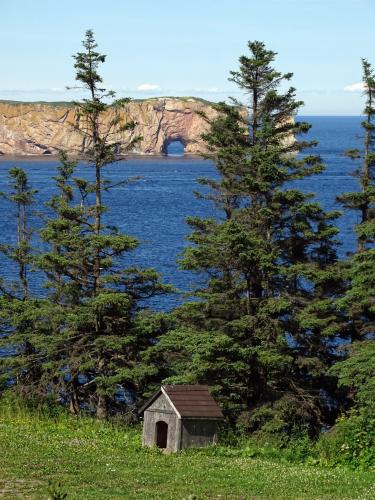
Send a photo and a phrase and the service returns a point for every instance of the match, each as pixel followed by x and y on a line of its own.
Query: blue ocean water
pixel 154 207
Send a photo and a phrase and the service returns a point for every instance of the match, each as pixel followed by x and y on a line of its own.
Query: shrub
pixel 283 420
pixel 351 441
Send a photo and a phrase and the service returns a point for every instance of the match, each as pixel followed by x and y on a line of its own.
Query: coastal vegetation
pixel 75 334
pixel 282 330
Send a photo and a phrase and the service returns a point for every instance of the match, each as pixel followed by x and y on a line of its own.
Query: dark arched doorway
pixel 161 434
pixel 174 147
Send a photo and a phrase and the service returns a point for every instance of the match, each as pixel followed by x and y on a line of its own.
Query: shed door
pixel 161 434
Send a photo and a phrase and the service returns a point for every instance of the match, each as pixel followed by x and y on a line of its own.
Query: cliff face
pixel 35 129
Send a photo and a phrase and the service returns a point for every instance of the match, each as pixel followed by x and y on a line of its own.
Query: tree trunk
pixel 74 403
pixel 74 407
pixel 102 408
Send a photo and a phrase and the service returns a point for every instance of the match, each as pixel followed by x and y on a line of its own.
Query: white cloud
pixel 147 87
pixel 355 87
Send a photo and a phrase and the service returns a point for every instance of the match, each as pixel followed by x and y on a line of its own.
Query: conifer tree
pixel 259 332
pixel 15 300
pixel 90 331
pixel 21 196
pixel 357 373
pixel 105 340
pixel 359 299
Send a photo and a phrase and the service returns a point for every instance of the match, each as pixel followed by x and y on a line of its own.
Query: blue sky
pixel 188 48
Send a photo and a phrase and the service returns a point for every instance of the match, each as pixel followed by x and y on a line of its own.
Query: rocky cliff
pixel 35 129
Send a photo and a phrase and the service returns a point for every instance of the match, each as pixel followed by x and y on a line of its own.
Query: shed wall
pixel 198 432
pixel 161 404
pixel 161 410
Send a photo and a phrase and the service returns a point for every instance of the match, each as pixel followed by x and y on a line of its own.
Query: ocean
pixel 154 205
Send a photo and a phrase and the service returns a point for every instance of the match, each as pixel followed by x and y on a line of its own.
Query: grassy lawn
pixel 95 461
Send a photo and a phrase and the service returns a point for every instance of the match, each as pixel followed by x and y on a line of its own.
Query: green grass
pixel 102 461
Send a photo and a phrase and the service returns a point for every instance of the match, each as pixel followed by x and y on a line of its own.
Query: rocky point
pixel 46 128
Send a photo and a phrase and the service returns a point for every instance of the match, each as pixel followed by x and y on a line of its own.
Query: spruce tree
pixel 21 196
pixel 359 299
pixel 91 329
pixel 15 300
pixel 357 373
pixel 259 331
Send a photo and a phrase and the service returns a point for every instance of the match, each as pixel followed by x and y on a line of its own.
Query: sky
pixel 165 47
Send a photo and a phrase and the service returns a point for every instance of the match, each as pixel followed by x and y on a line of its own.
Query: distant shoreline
pixel 134 156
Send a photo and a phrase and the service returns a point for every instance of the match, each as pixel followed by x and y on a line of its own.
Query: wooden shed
pixel 180 416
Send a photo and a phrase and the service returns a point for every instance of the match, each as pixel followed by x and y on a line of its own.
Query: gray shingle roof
pixel 190 401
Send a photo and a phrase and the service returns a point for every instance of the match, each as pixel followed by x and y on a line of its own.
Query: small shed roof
pixel 189 401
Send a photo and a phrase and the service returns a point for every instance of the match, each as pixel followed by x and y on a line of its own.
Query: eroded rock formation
pixel 35 129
